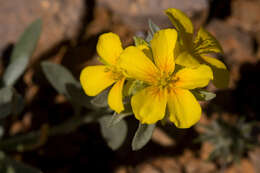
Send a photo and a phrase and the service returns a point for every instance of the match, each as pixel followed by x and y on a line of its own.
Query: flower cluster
pixel 167 67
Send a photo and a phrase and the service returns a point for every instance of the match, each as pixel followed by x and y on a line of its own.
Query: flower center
pixel 116 73
pixel 166 81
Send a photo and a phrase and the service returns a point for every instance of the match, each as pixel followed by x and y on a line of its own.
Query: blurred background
pixel 229 127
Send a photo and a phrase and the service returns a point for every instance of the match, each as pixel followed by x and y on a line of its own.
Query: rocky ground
pixel 70 32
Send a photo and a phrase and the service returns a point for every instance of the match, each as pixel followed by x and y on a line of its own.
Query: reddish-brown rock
pixel 61 20
pixel 136 12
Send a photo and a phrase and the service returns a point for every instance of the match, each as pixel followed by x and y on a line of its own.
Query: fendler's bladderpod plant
pixel 193 50
pixel 158 82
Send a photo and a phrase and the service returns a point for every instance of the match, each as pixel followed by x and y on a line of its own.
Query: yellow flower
pixel 95 79
pixel 193 52
pixel 166 88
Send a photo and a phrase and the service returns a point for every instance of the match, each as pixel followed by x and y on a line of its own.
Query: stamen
pixel 166 81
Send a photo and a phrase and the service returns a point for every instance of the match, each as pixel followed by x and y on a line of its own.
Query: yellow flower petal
pixel 184 109
pixel 149 105
pixel 163 44
pixel 137 65
pixel 220 71
pixel 115 98
pixel 206 43
pixel 183 25
pixel 191 78
pixel 214 62
pixel 180 20
pixel 187 60
pixel 109 47
pixel 95 79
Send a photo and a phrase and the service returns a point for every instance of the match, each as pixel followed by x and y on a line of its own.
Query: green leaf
pixel 64 82
pixel 203 95
pixel 22 52
pixel 78 96
pixel 134 86
pixel 153 27
pixel 59 77
pixel 114 135
pixel 18 103
pixel 2 130
pixel 149 37
pixel 206 43
pixel 100 101
pixel 139 41
pixel 7 165
pixel 6 96
pixel 116 118
pixel 11 102
pixel 142 136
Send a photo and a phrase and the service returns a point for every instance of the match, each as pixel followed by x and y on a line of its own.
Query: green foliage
pixel 203 95
pixel 1 132
pixel 139 41
pixel 18 103
pixel 230 141
pixel 22 52
pixel 64 82
pixel 142 136
pixel 153 27
pixel 100 101
pixel 114 135
pixel 116 118
pixel 149 37
pixel 6 96
pixel 8 165
pixel 135 86
pixel 59 77
pixel 11 102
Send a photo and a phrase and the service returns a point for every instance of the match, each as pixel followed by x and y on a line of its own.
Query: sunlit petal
pixel 187 60
pixel 183 25
pixel 115 96
pixel 149 105
pixel 191 78
pixel 184 109
pixel 206 43
pixel 137 65
pixel 95 79
pixel 163 44
pixel 109 47
pixel 220 71
pixel 180 20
